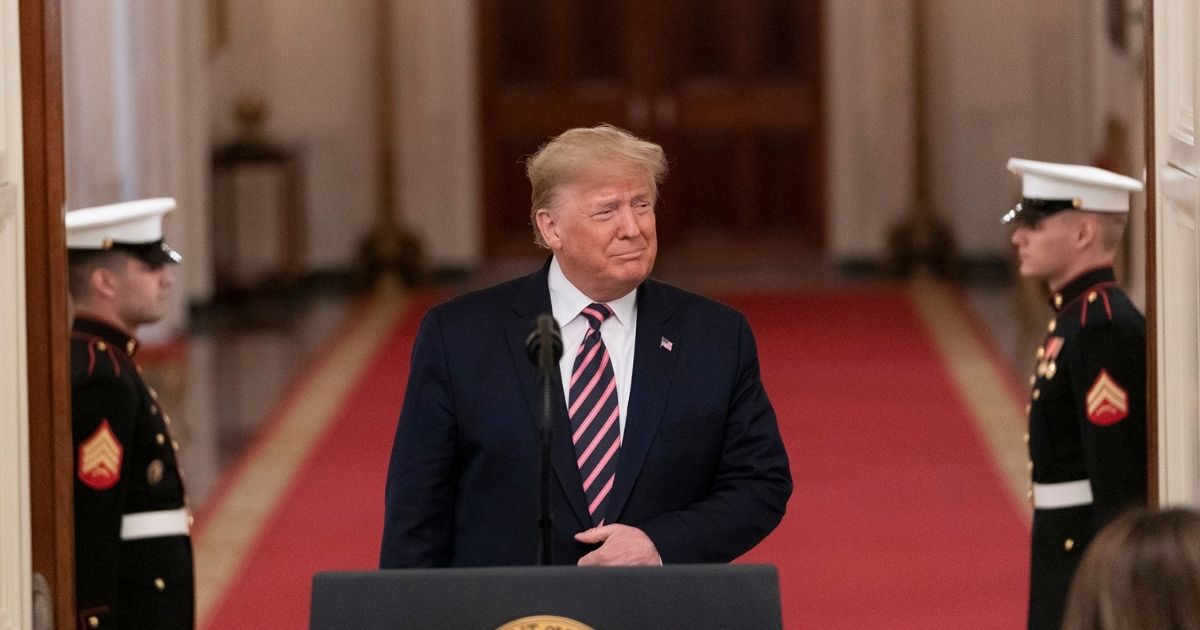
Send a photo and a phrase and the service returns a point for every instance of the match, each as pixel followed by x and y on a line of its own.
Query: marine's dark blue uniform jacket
pixel 124 463
pixel 1087 421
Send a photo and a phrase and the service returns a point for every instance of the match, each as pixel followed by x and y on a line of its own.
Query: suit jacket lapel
pixel 653 367
pixel 531 300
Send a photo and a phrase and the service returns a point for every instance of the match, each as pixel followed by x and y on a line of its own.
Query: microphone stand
pixel 546 361
pixel 544 346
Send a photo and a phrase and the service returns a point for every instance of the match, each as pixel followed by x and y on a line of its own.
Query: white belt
pixel 1062 495
pixel 155 524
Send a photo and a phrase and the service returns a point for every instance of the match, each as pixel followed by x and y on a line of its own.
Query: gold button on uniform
pixel 174 445
pixel 130 346
pixel 94 622
pixel 1037 393
pixel 1057 300
pixel 1026 438
pixel 1068 544
pixel 154 472
pixel 1041 351
pixel 1029 465
pixel 1052 325
pixel 1051 369
pixel 1092 296
pixel 153 410
pixel 101 346
pixel 166 419
pixel 161 439
pixel 1032 379
pixel 153 394
pixel 160 584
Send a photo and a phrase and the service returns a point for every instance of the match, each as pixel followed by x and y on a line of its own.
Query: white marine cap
pixel 134 227
pixel 1047 187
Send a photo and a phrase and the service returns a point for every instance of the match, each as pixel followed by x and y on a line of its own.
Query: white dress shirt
pixel 618 333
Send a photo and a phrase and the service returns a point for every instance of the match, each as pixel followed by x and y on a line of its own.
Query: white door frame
pixel 1176 248
pixel 16 565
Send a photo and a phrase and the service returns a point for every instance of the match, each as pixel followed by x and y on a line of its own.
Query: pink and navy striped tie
pixel 595 429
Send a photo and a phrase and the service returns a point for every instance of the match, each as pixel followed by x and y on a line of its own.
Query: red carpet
pixel 898 519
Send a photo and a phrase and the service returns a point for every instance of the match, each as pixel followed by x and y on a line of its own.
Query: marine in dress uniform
pixel 133 554
pixel 1087 407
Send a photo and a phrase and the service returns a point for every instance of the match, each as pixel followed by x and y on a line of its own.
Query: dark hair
pixel 1141 572
pixel 82 262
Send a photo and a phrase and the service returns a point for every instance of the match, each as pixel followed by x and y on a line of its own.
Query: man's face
pixel 1045 247
pixel 602 232
pixel 142 290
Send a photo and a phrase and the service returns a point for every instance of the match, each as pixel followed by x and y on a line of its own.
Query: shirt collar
pixel 566 301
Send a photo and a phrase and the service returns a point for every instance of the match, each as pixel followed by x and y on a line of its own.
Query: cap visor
pixel 1022 216
pixel 156 253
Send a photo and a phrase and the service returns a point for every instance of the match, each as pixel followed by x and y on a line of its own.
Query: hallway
pixel 259 382
pixel 229 374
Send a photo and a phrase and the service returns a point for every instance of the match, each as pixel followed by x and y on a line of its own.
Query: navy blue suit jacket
pixel 702 469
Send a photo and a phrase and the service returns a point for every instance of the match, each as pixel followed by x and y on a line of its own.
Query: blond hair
pixel 582 152
pixel 1112 229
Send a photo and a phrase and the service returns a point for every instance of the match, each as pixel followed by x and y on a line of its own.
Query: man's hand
pixel 620 545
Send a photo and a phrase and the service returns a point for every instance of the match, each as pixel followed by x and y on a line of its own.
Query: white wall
pixel 1008 79
pixel 89 117
pixel 1118 86
pixel 1005 78
pixel 437 141
pixel 134 110
pixel 312 63
pixel 869 110
pixel 315 64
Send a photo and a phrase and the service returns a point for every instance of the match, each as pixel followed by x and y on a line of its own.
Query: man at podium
pixel 665 448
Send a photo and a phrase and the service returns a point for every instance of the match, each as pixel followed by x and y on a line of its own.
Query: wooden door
pixel 39 158
pixel 730 88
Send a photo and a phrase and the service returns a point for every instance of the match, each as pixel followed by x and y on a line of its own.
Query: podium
pixel 542 598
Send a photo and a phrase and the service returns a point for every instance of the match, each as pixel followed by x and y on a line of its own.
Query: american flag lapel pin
pixel 666 343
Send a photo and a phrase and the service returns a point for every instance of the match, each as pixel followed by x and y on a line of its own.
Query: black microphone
pixel 544 344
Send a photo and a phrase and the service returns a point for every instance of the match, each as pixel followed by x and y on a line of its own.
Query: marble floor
pixel 239 361
pixel 234 372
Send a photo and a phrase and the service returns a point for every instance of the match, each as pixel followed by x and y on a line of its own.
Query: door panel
pixel 1179 433
pixel 1178 87
pixel 1177 263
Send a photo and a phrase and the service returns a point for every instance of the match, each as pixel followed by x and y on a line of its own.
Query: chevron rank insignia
pixel 100 459
pixel 1107 401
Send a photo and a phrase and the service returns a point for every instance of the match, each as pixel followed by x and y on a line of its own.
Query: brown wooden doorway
pixel 730 88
